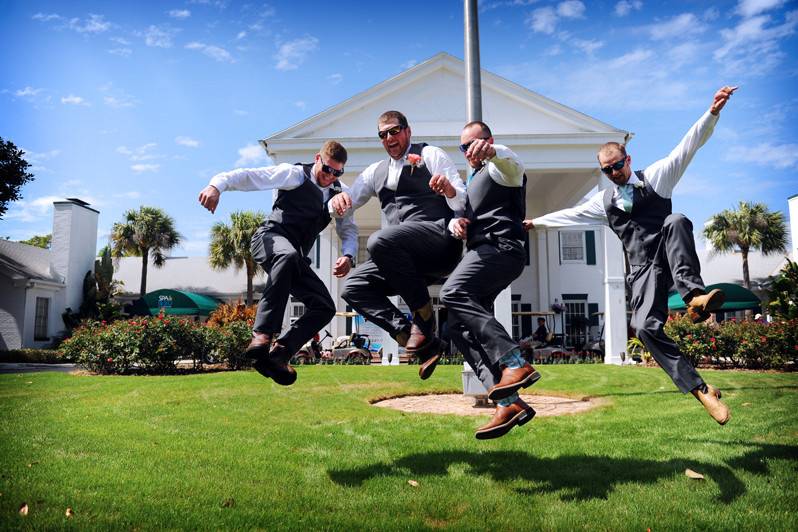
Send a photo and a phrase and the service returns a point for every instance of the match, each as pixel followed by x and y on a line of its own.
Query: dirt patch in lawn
pixel 461 405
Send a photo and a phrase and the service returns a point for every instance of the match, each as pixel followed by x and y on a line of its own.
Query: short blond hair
pixel 609 148
pixel 332 149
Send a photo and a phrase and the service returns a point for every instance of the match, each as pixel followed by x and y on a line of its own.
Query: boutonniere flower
pixel 415 161
pixel 639 184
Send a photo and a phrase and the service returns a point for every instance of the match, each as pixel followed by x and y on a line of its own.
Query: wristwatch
pixel 351 259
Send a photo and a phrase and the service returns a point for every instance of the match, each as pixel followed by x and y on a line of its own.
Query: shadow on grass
pixel 677 392
pixel 577 477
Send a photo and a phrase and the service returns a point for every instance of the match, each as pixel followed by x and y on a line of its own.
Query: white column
pixel 792 203
pixel 543 270
pixel 614 299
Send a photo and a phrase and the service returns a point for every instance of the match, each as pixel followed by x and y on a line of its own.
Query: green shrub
pixel 33 356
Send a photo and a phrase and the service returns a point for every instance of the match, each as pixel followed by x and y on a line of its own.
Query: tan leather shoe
pixel 701 306
pixel 711 401
pixel 259 345
pixel 513 380
pixel 276 367
pixel 504 419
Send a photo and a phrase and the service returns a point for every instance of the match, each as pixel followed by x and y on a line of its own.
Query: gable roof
pixel 432 95
pixel 23 261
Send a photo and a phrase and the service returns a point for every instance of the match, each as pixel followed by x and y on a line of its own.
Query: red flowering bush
pixel 744 344
pixel 153 344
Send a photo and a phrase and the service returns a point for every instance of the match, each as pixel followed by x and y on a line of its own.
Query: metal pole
pixel 473 79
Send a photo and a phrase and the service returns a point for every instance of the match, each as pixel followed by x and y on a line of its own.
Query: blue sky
pixel 140 103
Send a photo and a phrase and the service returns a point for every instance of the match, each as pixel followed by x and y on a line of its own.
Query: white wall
pixel 54 322
pixel 793 210
pixel 12 313
pixel 74 247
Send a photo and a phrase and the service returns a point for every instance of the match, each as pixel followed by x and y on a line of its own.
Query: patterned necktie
pixel 626 192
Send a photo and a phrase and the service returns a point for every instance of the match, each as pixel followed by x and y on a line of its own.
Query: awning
pixel 737 298
pixel 175 302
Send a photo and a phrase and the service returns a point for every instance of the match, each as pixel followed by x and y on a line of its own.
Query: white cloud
pixel 408 64
pixel 586 46
pixel 119 100
pixel 120 40
pixel 632 58
pixel 141 168
pixel 293 53
pixel 180 13
pixel 142 153
pixel 46 17
pixel 752 47
pixel 624 7
pixel 94 24
pixel 27 92
pixel 571 9
pixel 335 79
pixel 121 52
pixel 74 100
pixel 542 20
pixel 31 211
pixel 749 8
pixel 300 104
pixel 251 155
pixel 158 37
pixel 241 35
pixel 779 156
pixel 676 27
pixel 214 52
pixel 187 141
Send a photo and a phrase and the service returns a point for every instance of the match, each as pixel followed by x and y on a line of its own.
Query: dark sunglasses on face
pixel 614 167
pixel 464 147
pixel 332 171
pixel 395 130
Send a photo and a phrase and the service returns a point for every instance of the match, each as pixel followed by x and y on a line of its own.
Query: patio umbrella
pixel 737 298
pixel 174 302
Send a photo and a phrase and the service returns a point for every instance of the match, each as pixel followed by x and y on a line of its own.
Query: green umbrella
pixel 737 298
pixel 174 302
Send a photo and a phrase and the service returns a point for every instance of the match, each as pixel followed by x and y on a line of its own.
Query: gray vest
pixel 413 200
pixel 495 211
pixel 640 231
pixel 301 214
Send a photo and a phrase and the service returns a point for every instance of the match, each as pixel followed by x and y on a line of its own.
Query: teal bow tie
pixel 627 193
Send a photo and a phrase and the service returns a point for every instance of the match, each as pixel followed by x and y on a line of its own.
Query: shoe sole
pixel 262 367
pixel 715 301
pixel 429 365
pixel 506 391
pixel 521 418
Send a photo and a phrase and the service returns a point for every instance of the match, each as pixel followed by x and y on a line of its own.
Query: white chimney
pixel 74 246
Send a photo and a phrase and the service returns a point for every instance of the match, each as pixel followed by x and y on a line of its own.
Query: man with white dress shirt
pixel 300 212
pixel 492 227
pixel 659 245
pixel 419 190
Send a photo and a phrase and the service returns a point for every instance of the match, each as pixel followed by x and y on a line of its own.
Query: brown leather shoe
pixel 701 306
pixel 276 367
pixel 259 345
pixel 513 380
pixel 711 401
pixel 429 361
pixel 417 341
pixel 504 419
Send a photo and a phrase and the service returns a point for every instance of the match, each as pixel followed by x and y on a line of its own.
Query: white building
pixel 37 285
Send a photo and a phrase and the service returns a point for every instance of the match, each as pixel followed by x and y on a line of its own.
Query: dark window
pixel 40 321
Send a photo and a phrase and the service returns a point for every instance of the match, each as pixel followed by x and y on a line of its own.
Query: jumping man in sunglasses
pixel 300 212
pixel 660 247
pixel 419 189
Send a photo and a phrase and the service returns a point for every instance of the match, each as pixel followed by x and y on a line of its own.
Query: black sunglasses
pixel 332 171
pixel 464 147
pixel 614 167
pixel 395 130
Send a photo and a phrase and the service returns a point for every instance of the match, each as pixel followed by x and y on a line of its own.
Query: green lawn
pixel 233 450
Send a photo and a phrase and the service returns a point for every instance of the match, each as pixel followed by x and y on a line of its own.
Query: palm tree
pixel 751 226
pixel 230 244
pixel 144 233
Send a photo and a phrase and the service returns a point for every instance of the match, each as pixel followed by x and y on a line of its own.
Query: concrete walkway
pixel 14 367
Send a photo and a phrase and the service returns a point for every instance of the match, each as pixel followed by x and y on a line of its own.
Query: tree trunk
pixel 250 275
pixel 746 275
pixel 144 256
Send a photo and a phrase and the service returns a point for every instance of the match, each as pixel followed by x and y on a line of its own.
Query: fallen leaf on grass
pixel 69 512
pixel 413 483
pixel 228 503
pixel 746 404
pixel 692 474
pixel 23 510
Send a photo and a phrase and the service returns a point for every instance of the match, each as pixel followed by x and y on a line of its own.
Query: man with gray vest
pixel 300 212
pixel 419 189
pixel 494 233
pixel 659 245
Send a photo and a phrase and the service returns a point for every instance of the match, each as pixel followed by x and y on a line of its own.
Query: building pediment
pixel 432 96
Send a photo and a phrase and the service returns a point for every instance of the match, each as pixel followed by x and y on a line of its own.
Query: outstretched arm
pixel 589 213
pixel 664 174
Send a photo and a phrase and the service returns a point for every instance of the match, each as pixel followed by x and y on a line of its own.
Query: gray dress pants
pixel 405 260
pixel 675 263
pixel 469 294
pixel 290 274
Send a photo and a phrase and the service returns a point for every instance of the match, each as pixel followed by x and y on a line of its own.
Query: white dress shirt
pixel 663 176
pixel 287 177
pixel 435 159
